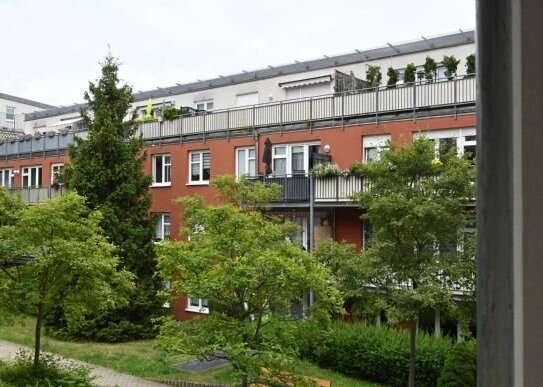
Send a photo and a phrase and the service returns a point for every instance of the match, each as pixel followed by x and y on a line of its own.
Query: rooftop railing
pixel 410 98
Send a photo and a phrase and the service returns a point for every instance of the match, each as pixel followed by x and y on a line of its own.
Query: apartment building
pixel 273 125
pixel 12 111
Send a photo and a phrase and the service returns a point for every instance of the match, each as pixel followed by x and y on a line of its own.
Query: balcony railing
pixel 295 188
pixel 11 122
pixel 35 195
pixel 408 98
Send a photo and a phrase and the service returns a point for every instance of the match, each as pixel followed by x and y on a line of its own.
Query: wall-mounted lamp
pixel 327 148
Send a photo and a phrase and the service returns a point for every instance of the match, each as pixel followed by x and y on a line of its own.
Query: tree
pixel 410 73
pixel 416 204
pixel 430 69
pixel 69 262
pixel 243 264
pixel 373 76
pixel 392 77
pixel 451 64
pixel 107 168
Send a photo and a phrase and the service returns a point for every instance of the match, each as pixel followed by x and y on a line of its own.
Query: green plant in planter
pixel 171 113
pixel 392 77
pixel 470 65
pixel 326 170
pixel 451 64
pixel 373 76
pixel 149 111
pixel 430 69
pixel 410 73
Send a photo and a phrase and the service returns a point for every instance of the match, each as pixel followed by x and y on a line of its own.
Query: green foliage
pixel 356 168
pixel 460 368
pixel 430 69
pixel 392 77
pixel 470 65
pixel 50 372
pixel 245 192
pixel 451 64
pixel 107 168
pixel 376 354
pixel 326 169
pixel 373 76
pixel 410 73
pixel 248 270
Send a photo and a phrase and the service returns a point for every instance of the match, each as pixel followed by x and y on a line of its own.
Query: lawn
pixel 140 358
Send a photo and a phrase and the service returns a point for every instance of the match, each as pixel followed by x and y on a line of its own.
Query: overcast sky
pixel 51 49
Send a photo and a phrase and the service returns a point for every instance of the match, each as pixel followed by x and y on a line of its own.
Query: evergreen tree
pixel 107 168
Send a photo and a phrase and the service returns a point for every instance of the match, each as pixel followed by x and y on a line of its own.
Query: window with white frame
pixel 205 105
pixel 245 162
pixel 56 173
pixel 163 226
pixel 293 158
pixel 199 167
pixel 463 140
pixel 10 113
pixel 6 177
pixel 162 165
pixel 32 177
pixel 199 305
pixel 374 146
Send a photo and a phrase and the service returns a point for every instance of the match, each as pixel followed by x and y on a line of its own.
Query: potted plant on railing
pixel 451 64
pixel 326 170
pixel 470 65
pixel 392 77
pixel 373 76
pixel 410 74
pixel 430 69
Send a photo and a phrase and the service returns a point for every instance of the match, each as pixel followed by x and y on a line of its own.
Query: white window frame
pixel 245 159
pixel 288 156
pixel 207 105
pixel 13 109
pixel 379 142
pixel 201 181
pixel 160 227
pixel 459 134
pixel 6 177
pixel 197 309
pixel 27 172
pixel 59 167
pixel 166 170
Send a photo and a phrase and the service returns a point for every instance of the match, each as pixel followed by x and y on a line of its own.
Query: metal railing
pixel 410 98
pixel 295 188
pixel 11 122
pixel 35 195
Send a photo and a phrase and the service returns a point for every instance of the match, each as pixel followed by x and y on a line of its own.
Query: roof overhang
pixel 306 82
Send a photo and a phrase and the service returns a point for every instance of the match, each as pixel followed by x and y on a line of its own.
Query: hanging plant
pixel 392 77
pixel 470 65
pixel 451 64
pixel 409 75
pixel 430 69
pixel 373 76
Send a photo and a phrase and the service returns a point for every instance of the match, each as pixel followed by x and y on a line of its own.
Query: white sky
pixel 51 48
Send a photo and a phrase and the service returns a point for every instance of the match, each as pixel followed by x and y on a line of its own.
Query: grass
pixel 140 358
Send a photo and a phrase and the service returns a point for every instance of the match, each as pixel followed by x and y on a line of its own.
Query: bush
pixel 49 372
pixel 378 354
pixel 460 369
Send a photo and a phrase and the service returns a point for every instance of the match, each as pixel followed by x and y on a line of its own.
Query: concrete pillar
pixel 459 332
pixel 510 192
pixel 437 323
pixel 378 320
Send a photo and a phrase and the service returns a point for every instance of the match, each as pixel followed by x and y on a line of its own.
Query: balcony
pixel 328 191
pixel 37 195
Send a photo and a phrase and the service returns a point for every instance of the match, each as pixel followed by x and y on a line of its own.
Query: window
pixel 162 228
pixel 10 113
pixel 293 159
pixel 56 173
pixel 162 165
pixel 6 177
pixel 245 162
pixel 200 167
pixel 463 140
pixel 199 305
pixel 32 177
pixel 470 147
pixel 205 105
pixel 374 146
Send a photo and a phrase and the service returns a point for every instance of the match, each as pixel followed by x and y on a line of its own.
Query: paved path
pixel 103 376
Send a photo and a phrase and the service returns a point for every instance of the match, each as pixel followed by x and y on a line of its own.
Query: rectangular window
pixel 162 165
pixel 374 146
pixel 6 178
pixel 293 159
pixel 10 113
pixel 280 160
pixel 199 305
pixel 56 173
pixel 245 162
pixel 200 167
pixel 205 105
pixel 463 140
pixel 32 177
pixel 163 226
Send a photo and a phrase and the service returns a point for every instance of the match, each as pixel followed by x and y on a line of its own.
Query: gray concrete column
pixel 510 192
pixel 437 323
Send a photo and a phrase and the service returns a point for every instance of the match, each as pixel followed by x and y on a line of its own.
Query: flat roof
pixel 358 56
pixel 25 101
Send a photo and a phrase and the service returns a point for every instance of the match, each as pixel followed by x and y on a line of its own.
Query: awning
pixel 63 124
pixel 307 81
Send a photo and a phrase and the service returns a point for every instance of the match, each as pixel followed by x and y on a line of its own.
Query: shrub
pixel 460 369
pixel 378 354
pixel 357 168
pixel 49 372
pixel 410 72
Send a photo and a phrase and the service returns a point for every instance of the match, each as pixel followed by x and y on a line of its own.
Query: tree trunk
pixel 412 351
pixel 37 335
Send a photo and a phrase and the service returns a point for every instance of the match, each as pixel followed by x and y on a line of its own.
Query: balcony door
pixel 32 177
pixel 293 159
